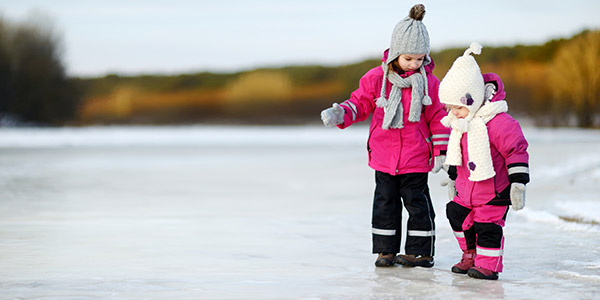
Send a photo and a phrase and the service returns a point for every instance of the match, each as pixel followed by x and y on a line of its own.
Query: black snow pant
pixel 482 234
pixel 390 193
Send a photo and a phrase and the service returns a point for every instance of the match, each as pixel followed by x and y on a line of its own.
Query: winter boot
pixel 481 273
pixel 467 262
pixel 385 260
pixel 411 260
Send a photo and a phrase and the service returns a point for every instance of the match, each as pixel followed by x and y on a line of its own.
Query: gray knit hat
pixel 410 36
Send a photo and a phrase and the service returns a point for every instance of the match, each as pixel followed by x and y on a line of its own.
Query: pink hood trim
pixel 495 79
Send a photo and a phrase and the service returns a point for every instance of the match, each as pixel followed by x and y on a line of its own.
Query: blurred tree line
pixel 33 85
pixel 554 84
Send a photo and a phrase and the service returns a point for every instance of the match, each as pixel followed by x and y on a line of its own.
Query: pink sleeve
pixel 433 114
pixel 362 101
pixel 511 143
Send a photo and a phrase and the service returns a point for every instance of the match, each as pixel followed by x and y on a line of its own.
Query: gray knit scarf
pixel 392 107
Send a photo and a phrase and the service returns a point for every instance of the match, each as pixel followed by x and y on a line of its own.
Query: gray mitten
pixel 517 195
pixel 333 115
pixel 451 188
pixel 438 163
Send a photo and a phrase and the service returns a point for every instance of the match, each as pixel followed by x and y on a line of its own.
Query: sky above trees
pixel 157 36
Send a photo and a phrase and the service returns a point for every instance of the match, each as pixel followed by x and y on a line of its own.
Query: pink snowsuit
pixel 478 212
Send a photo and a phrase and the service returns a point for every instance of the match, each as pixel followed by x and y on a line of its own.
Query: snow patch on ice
pixel 537 216
pixel 562 135
pixel 586 212
pixel 594 265
pixel 582 164
pixel 577 276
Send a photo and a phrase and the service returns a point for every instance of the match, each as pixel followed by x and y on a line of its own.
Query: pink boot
pixel 467 262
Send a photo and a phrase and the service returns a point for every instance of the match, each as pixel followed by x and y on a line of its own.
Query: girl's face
pixel 410 62
pixel 460 112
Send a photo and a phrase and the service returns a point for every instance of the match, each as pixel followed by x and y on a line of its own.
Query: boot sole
pixel 458 270
pixel 476 274
pixel 384 263
pixel 407 263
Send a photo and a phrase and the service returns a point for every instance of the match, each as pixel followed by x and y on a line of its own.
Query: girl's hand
pixel 517 195
pixel 438 163
pixel 451 187
pixel 333 115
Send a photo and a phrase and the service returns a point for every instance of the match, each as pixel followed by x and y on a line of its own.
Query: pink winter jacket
pixel 509 156
pixel 398 151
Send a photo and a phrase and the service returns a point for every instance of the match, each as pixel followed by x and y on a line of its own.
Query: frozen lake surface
pixel 213 212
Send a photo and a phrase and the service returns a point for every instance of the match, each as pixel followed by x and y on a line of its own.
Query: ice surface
pixel 209 212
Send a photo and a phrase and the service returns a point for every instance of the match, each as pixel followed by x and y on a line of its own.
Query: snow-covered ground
pixel 212 212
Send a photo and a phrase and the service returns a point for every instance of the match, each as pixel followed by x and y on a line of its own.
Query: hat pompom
pixel 446 121
pixel 417 12
pixel 427 100
pixel 462 125
pixel 381 102
pixel 475 48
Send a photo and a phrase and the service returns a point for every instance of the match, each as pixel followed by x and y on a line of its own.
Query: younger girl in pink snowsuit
pixel 406 141
pixel 488 159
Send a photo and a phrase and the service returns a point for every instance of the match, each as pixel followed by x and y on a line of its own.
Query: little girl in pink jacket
pixel 487 158
pixel 406 141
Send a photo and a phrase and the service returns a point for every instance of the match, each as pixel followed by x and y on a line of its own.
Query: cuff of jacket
pixel 440 150
pixel 452 172
pixel 518 172
pixel 440 143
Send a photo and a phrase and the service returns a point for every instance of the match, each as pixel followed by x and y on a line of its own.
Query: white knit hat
pixel 463 84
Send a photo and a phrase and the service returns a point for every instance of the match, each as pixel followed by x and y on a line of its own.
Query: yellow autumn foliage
pixel 262 86
pixel 575 77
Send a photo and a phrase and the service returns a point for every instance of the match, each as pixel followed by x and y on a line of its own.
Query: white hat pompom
pixel 475 48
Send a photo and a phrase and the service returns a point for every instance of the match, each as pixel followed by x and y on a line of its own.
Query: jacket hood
pixel 429 65
pixel 495 79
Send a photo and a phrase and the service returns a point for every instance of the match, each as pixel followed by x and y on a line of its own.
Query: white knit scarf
pixel 392 107
pixel 478 143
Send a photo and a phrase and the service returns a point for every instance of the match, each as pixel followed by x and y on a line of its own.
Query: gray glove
pixel 517 195
pixel 438 163
pixel 451 188
pixel 333 115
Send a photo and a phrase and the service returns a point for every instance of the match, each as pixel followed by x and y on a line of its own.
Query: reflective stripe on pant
pixel 457 215
pixel 479 228
pixel 391 192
